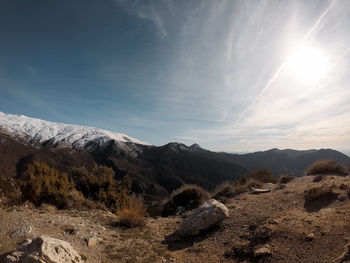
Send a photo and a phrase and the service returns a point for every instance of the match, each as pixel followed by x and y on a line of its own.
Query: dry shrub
pixel 326 167
pixel 76 200
pixel 10 193
pixel 232 189
pixel 285 179
pixel 132 213
pixel 263 176
pixel 46 185
pixel 47 207
pixel 189 196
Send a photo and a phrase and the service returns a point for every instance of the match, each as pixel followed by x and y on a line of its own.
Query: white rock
pixel 45 249
pixel 22 231
pixel 207 215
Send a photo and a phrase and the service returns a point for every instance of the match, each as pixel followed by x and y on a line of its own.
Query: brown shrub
pixel 189 196
pixel 230 190
pixel 326 167
pixel 46 185
pixel 100 185
pixel 284 179
pixel 260 175
pixel 132 213
pixel 10 191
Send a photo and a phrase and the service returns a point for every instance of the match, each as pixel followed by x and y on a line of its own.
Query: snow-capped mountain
pixel 53 133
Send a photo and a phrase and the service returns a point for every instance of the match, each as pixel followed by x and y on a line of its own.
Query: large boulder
pixel 207 215
pixel 44 249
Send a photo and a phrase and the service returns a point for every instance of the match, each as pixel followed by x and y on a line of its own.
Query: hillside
pixel 155 171
pixel 279 220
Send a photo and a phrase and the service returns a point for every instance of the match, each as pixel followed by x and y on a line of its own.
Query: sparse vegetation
pixel 46 184
pixel 100 185
pixel 284 179
pixel 187 196
pixel 132 213
pixel 263 176
pixel 190 196
pixel 231 189
pixel 326 167
pixel 10 191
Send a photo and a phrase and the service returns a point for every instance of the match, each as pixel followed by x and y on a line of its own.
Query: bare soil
pixel 279 220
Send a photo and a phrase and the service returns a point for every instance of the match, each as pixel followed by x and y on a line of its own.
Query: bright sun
pixel 308 65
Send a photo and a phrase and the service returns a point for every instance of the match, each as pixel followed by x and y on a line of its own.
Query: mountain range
pixel 155 170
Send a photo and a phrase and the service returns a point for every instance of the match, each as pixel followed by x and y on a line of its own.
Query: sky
pixel 231 75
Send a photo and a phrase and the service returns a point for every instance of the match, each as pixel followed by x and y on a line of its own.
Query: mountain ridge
pixel 56 134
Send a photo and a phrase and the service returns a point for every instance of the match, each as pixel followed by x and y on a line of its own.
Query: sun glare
pixel 308 65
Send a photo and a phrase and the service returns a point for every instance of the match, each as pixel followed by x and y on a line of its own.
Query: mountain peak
pixel 55 134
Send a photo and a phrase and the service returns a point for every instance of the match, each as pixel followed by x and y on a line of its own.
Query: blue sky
pixel 222 73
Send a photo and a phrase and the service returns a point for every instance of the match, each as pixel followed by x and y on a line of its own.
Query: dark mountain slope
pixel 285 161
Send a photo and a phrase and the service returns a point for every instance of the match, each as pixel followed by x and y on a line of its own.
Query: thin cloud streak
pixel 282 67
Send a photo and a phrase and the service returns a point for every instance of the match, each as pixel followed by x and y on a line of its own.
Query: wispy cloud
pixel 153 11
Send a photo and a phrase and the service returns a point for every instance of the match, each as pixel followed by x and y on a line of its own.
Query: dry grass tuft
pixel 326 167
pixel 284 179
pixel 132 213
pixel 232 189
pixel 263 176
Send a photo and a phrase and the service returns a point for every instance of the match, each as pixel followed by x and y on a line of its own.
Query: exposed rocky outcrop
pixel 44 249
pixel 210 213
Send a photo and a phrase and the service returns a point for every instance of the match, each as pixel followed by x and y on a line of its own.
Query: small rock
pixel 44 249
pixel 310 237
pixel 262 252
pixel 341 198
pixel 343 187
pixel 91 242
pixel 23 231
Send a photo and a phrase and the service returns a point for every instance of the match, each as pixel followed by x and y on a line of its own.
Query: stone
pixel 207 215
pixel 91 242
pixel 310 237
pixel 44 249
pixel 23 231
pixel 341 198
pixel 262 252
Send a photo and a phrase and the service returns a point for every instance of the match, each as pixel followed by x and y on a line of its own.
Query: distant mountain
pixel 155 171
pixel 57 134
pixel 285 161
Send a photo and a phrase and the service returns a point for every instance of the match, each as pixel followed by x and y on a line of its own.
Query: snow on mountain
pixel 53 133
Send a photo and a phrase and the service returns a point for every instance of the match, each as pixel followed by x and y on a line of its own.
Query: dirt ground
pixel 279 220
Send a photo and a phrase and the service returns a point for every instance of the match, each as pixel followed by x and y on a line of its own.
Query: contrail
pixel 277 73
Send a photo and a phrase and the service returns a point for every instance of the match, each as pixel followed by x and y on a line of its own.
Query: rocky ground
pixel 277 226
